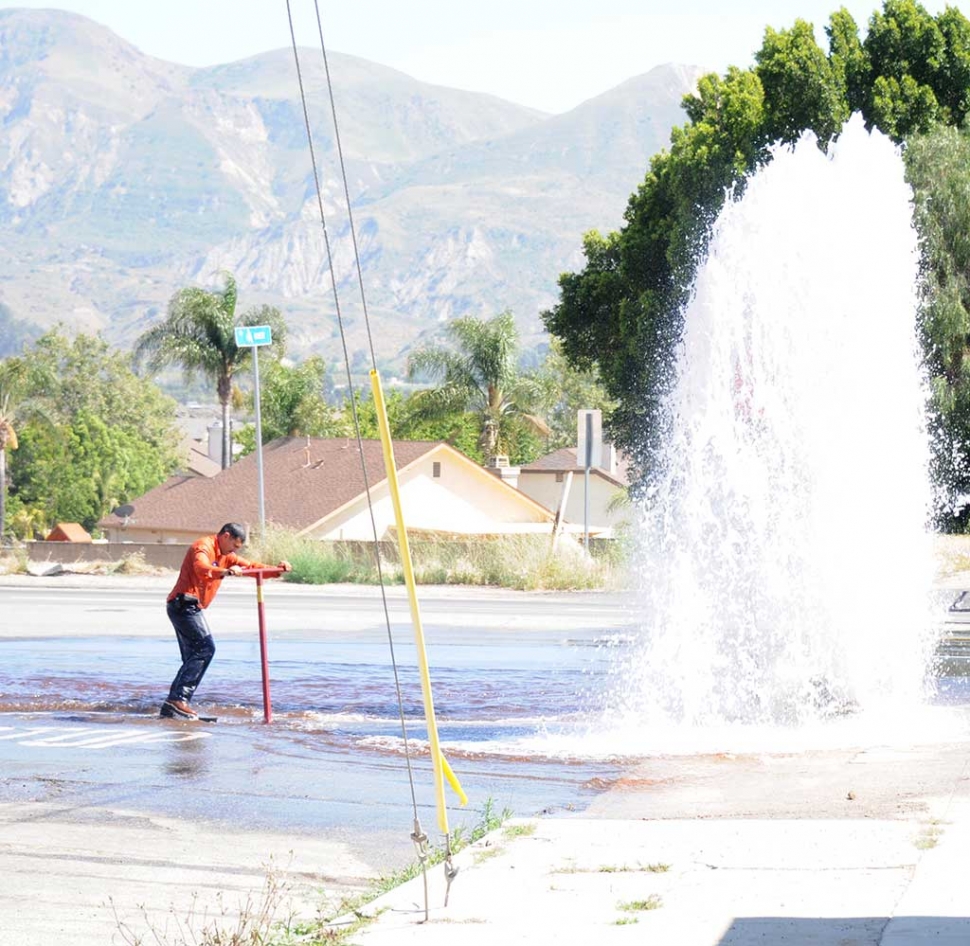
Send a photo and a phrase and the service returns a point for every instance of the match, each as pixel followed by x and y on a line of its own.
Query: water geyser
pixel 786 561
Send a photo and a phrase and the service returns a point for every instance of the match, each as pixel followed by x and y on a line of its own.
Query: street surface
pixel 99 798
pixel 115 824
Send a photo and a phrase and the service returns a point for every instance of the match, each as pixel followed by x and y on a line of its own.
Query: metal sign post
pixel 589 444
pixel 254 336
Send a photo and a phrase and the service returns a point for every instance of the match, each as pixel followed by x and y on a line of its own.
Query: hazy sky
pixel 549 54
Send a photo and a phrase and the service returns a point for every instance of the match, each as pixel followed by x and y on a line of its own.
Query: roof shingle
pixel 564 461
pixel 305 479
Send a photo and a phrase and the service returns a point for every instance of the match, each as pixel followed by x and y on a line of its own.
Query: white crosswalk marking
pixel 21 733
pixel 94 738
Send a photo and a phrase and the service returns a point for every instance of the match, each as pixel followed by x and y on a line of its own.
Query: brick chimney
pixel 214 441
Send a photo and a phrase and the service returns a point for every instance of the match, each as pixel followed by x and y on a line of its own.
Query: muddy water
pixel 480 692
pixel 520 719
pixel 333 755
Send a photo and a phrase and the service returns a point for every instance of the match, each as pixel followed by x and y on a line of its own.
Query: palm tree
pixel 481 376
pixel 198 335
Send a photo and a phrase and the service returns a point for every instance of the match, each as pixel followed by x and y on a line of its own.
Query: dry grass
pixel 134 564
pixel 13 562
pixel 929 835
pixel 952 553
pixel 262 919
pixel 526 563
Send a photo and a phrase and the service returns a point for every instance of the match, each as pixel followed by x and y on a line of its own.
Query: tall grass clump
pixel 264 918
pixel 132 564
pixel 314 562
pixel 13 561
pixel 524 563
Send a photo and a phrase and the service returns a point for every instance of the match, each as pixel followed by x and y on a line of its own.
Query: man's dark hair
pixel 235 530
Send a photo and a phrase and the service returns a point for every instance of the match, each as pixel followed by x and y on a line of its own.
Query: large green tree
pixel 293 403
pixel 622 313
pixel 938 168
pixel 198 335
pixel 80 470
pixel 11 413
pixel 563 392
pixel 96 434
pixel 479 373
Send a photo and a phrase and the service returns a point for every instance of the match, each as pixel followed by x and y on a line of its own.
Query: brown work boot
pixel 177 709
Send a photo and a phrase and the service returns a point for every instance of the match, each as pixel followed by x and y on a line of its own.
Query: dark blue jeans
pixel 195 644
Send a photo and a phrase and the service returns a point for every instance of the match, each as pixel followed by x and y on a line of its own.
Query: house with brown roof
pixel 315 487
pixel 558 478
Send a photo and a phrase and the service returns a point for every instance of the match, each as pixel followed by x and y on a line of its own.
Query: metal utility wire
pixel 418 836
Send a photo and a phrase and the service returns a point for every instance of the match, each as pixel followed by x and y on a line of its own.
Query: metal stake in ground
pixel 259 574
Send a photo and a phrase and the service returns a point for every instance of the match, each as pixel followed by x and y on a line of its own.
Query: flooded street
pixel 81 683
pixel 522 685
pixel 98 795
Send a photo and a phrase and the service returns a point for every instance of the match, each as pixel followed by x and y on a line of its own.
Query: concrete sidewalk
pixel 812 863
pixel 698 883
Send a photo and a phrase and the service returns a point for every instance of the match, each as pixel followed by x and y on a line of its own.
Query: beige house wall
pixel 464 499
pixel 543 488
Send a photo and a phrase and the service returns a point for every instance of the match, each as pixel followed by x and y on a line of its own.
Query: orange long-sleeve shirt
pixel 196 578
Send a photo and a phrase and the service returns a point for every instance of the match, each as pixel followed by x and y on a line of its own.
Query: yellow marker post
pixel 440 768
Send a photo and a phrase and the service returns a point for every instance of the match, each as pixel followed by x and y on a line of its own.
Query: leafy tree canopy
pixel 563 391
pixel 97 435
pixel 938 168
pixel 622 312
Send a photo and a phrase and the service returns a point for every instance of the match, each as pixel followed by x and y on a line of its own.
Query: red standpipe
pixel 259 574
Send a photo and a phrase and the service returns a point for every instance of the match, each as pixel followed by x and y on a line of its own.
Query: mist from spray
pixel 786 561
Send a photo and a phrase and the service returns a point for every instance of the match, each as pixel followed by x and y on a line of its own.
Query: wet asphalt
pixel 88 660
pixel 113 819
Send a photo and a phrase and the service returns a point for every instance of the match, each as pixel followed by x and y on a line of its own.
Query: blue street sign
pixel 252 336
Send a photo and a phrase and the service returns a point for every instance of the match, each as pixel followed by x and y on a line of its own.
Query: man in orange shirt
pixel 207 562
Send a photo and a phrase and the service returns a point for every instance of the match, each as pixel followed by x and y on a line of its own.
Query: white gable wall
pixel 543 488
pixel 463 499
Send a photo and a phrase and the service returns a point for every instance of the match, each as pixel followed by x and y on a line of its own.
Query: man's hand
pixel 285 565
pixel 234 570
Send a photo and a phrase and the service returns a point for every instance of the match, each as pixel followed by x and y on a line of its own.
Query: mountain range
pixel 124 178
